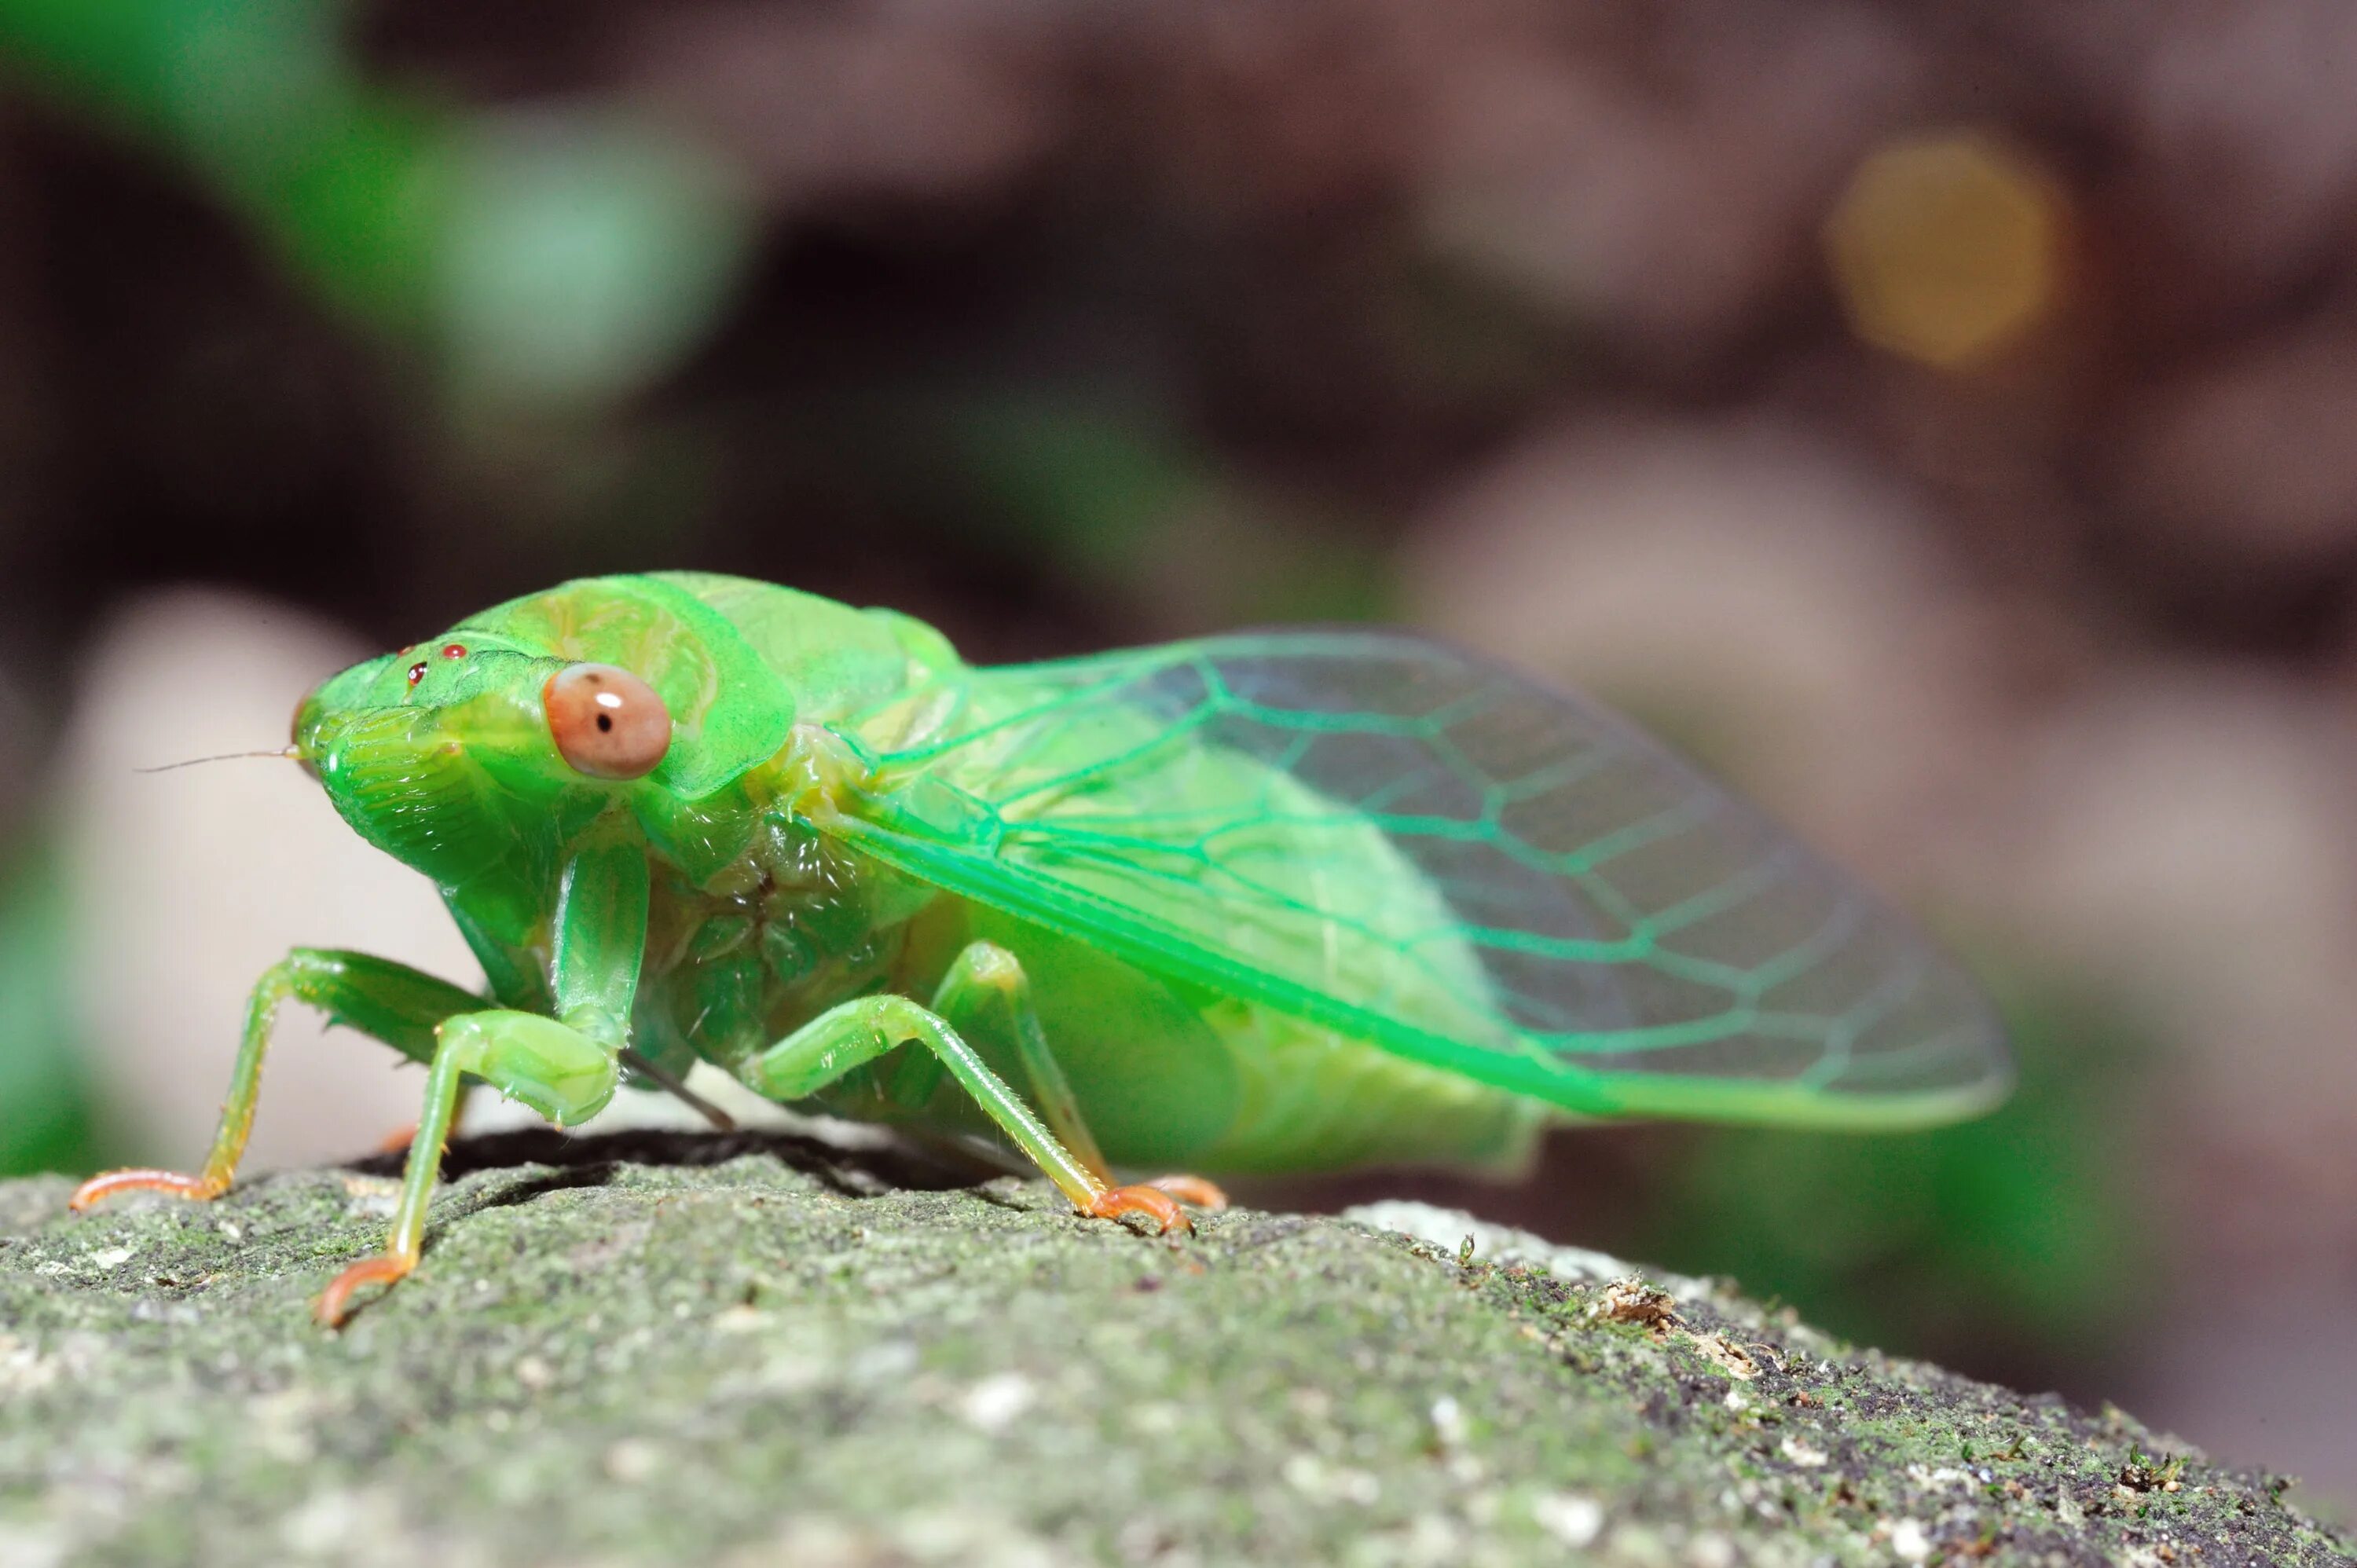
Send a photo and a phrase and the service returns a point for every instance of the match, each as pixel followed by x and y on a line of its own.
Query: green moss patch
pixel 660 1349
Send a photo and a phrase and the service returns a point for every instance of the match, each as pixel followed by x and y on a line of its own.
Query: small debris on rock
pixel 1801 1452
pixel 1571 1519
pixel 1632 1300
pixel 995 1403
pixel 1726 1355
pixel 632 1460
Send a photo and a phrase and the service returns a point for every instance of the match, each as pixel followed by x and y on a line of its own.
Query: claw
pixel 397 1141
pixel 1192 1189
pixel 1150 1201
pixel 195 1189
pixel 330 1308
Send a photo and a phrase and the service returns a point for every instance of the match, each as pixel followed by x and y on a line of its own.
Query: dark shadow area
pixel 579 1162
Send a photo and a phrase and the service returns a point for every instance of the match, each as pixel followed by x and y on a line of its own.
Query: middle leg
pixel 987 995
pixel 984 990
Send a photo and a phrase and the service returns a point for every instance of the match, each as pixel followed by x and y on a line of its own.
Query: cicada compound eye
pixel 606 722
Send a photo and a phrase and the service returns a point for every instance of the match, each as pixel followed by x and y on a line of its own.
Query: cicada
pixel 1275 901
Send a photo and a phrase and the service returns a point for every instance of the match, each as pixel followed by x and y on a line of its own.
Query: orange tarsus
pixel 330 1308
pixel 1152 1202
pixel 195 1188
pixel 1192 1189
pixel 398 1141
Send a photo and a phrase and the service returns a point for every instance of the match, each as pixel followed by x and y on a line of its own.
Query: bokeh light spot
pixel 1947 249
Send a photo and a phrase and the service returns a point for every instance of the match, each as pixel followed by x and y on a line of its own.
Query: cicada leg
pixel 985 989
pixel 1192 1189
pixel 556 1070
pixel 400 1137
pixel 564 1068
pixel 390 1001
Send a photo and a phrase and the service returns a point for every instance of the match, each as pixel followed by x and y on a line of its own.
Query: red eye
pixel 416 673
pixel 606 722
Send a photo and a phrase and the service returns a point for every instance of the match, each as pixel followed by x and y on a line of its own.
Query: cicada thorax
pixel 794 924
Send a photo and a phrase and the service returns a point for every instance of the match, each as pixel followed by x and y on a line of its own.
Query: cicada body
pixel 1276 901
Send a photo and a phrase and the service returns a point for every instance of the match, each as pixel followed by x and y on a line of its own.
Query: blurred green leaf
pixel 47 1123
pixel 1094 483
pixel 1113 495
pixel 564 257
pixel 584 254
pixel 2021 1229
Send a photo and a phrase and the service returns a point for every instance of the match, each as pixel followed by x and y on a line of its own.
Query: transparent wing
pixel 1421 850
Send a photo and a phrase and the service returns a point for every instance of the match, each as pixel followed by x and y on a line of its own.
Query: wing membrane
pixel 1419 849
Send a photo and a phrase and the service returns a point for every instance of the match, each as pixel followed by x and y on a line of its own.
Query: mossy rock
pixel 655 1349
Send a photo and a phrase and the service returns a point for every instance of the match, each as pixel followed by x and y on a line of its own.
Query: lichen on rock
pixel 659 1349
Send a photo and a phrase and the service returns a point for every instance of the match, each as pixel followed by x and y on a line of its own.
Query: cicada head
pixel 528 721
pixel 453 756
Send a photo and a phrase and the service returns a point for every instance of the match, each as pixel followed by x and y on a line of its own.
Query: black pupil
pixel 604 721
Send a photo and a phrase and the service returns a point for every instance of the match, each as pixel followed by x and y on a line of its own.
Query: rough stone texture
pixel 663 1350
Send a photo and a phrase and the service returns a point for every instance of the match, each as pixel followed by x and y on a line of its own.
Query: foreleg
pixel 388 1001
pixel 558 1071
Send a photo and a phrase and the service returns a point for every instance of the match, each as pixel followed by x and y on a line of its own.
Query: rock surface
pixel 651 1349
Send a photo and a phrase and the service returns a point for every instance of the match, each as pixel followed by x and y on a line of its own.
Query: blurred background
pixel 1943 421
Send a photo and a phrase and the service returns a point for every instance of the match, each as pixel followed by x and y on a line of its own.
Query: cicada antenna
pixel 284 753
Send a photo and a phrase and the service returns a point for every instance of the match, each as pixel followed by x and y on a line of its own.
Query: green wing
pixel 1418 848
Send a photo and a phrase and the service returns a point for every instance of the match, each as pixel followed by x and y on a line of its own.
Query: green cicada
pixel 1275 901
